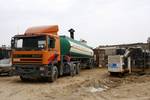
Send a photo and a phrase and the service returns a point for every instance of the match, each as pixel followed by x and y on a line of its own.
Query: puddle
pixel 98 89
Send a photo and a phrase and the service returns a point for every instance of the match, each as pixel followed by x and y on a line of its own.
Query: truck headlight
pixel 16 59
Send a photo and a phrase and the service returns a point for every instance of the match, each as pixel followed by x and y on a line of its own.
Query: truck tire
pixel 121 75
pixel 78 69
pixel 54 74
pixel 11 73
pixel 91 66
pixel 60 71
pixel 112 74
pixel 73 70
pixel 23 79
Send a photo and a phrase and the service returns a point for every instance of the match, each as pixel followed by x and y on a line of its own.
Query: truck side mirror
pixel 12 43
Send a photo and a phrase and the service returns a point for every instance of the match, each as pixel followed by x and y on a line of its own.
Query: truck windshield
pixel 30 43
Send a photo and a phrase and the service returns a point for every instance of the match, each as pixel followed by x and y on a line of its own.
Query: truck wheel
pixel 75 69
pixel 112 73
pixel 60 71
pixel 54 74
pixel 72 70
pixel 78 69
pixel 121 75
pixel 91 66
pixel 23 79
pixel 10 73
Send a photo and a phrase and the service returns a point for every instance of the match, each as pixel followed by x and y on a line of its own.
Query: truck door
pixel 52 49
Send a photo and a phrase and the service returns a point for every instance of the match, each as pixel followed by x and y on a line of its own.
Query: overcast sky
pixel 100 22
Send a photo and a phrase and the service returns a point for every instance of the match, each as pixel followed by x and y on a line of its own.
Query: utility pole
pixel 144 58
pixel 148 42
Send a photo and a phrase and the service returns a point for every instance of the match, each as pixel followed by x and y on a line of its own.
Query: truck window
pixel 19 43
pixel 51 42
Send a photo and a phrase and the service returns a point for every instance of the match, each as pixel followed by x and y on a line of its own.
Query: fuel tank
pixel 74 48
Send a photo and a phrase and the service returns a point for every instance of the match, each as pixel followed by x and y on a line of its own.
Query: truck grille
pixel 30 60
pixel 28 56
pixel 27 59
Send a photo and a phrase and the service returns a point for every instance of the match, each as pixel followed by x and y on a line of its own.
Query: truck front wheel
pixel 54 74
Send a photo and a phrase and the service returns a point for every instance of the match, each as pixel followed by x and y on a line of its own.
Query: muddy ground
pixel 95 84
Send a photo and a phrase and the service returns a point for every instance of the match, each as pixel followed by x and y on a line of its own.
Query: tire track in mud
pixel 69 88
pixel 15 92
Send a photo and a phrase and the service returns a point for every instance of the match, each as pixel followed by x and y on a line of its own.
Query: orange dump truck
pixel 40 53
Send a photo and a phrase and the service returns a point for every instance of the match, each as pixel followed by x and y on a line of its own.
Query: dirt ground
pixel 95 84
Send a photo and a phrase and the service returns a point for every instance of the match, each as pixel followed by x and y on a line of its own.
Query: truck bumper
pixel 32 71
pixel 5 69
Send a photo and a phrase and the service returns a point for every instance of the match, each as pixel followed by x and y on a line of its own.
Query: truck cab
pixel 35 51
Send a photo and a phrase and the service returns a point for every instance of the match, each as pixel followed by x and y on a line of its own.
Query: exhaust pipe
pixel 71 33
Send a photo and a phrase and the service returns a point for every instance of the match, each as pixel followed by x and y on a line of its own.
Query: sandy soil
pixel 95 84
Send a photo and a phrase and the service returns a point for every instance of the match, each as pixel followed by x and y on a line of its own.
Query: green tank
pixel 74 48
